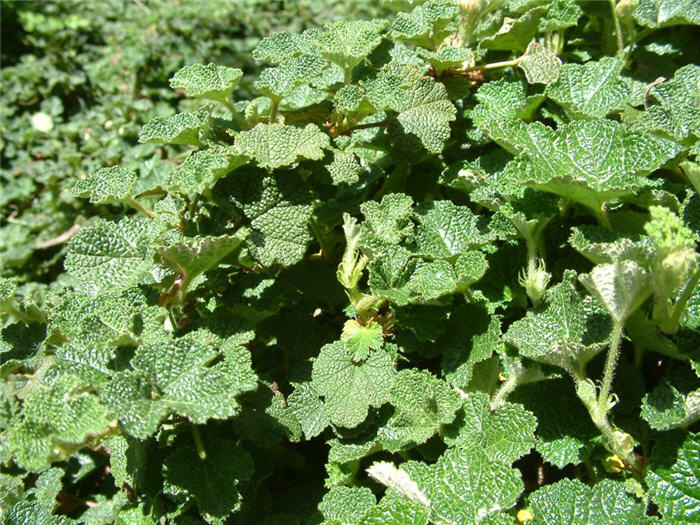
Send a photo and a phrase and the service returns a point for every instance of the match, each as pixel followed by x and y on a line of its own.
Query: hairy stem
pixel 273 110
pixel 684 298
pixel 609 372
pixel 493 65
pixel 506 388
pixel 618 29
pixel 198 443
pixel 242 122
pixel 140 207
pixel 325 251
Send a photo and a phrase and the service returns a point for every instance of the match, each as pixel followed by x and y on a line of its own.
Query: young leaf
pixel 201 169
pixel 621 287
pixel 539 64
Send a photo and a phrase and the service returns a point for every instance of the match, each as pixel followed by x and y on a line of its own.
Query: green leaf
pixel 447 57
pixel 515 34
pixel 348 43
pixel 621 287
pixel 281 81
pixel 211 81
pixel 277 209
pixel 58 419
pixel 275 146
pixel 539 64
pixel 664 13
pixel 362 338
pixel 346 505
pixel 470 338
pixel 427 25
pixel 176 376
pixel 279 46
pixel 422 404
pixel 564 430
pixel 568 331
pixel 349 388
pixel 571 501
pixel 602 245
pixel 676 113
pixel 675 402
pixel 106 185
pixel 214 482
pixel 307 406
pixel 193 257
pixel 110 255
pixel 396 510
pixel 388 221
pixel 591 90
pixel 426 115
pixel 503 435
pixel 201 169
pixel 445 230
pixel 501 105
pixel 182 128
pixel 36 513
pixel 588 161
pixel 465 486
pixel 673 477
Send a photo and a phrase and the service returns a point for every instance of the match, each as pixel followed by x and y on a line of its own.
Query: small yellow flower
pixel 524 515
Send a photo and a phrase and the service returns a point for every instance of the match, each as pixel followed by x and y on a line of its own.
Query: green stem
pixel 242 122
pixel 347 75
pixel 684 298
pixel 506 388
pixel 493 65
pixel 609 372
pixel 602 215
pixel 325 251
pixel 140 207
pixel 18 314
pixel 198 443
pixel 618 29
pixel 273 110
pixel 380 124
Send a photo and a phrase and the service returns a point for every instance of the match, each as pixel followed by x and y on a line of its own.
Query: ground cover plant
pixel 435 267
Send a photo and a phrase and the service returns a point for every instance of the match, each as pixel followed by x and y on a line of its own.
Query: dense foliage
pixel 435 267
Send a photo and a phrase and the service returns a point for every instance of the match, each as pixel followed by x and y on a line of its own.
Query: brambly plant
pixel 439 268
